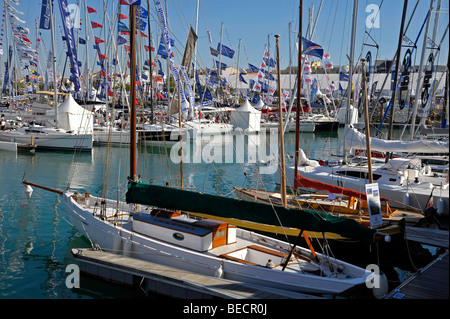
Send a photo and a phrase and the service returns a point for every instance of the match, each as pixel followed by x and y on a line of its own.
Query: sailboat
pixel 74 132
pixel 151 225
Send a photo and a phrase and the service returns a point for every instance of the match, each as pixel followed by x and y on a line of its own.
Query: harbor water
pixel 36 236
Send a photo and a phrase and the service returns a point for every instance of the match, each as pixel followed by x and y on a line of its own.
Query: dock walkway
pixel 430 282
pixel 171 281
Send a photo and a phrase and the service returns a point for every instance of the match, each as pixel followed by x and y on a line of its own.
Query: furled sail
pixel 357 140
pixel 190 201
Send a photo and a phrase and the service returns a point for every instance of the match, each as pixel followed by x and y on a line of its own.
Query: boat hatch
pixel 257 256
pixel 172 227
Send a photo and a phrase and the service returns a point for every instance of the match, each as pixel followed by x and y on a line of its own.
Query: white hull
pixel 104 135
pixel 49 139
pixel 392 184
pixel 123 240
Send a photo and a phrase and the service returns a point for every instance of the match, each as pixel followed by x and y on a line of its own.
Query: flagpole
pixel 133 93
pixel 55 98
pixel 350 80
pixel 299 94
pixel 281 133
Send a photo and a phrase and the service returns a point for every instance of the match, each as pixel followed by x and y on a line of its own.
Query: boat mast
pixel 350 76
pixel 55 89
pixel 150 64
pixel 280 115
pixel 397 64
pixel 366 115
pixel 133 93
pixel 299 90
pixel 420 72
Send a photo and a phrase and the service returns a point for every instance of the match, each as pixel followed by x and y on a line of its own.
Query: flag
pixel 253 69
pixel 270 62
pixel 207 95
pixel 45 15
pixel 225 51
pixel 209 36
pixel 98 40
pixel 121 16
pixel 130 2
pixel 122 27
pixel 121 40
pixel 241 78
pixel 223 66
pixel 311 48
pixel 213 51
pixel 91 10
pixel 148 48
pixel 343 77
pixel 96 25
pixel 145 36
pixel 81 41
pixel 70 41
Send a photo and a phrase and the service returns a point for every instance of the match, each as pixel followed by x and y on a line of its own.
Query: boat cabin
pixel 175 228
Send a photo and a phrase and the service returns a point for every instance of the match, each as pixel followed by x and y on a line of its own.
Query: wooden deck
pixel 170 281
pixel 429 236
pixel 430 282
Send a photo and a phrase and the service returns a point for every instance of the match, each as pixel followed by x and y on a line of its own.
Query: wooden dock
pixel 430 282
pixel 169 281
pixel 429 236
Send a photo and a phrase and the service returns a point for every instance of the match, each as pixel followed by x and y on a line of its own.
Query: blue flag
pixel 45 15
pixel 343 76
pixel 122 27
pixel 311 48
pixel 207 95
pixel 253 69
pixel 241 78
pixel 226 51
pixel 223 66
pixel 121 40
pixel 71 46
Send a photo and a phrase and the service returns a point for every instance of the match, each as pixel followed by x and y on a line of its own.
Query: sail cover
pixel 357 140
pixel 190 201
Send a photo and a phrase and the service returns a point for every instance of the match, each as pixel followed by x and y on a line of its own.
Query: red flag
pixel 91 10
pixel 98 40
pixel 101 56
pixel 96 25
pixel 147 48
pixel 121 16
pixel 110 93
pixel 144 35
pixel 127 48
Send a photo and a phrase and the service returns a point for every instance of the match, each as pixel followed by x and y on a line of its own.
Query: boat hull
pixel 122 240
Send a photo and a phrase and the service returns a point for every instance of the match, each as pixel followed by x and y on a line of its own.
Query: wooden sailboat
pixel 162 232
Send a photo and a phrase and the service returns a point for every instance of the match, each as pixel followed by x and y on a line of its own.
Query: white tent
pixel 259 105
pixel 246 117
pixel 72 117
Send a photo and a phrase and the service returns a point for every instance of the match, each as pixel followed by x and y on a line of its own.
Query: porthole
pixel 178 236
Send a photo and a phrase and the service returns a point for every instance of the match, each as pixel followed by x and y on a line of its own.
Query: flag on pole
pixel 98 40
pixel 311 48
pixel 96 25
pixel 131 2
pixel 121 16
pixel 91 10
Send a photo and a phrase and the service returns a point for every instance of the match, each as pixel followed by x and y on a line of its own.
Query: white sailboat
pixel 74 132
pixel 170 237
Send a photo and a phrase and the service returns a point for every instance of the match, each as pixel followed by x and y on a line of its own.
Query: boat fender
pixel 219 271
pixel 406 198
pixel 117 244
pixel 29 191
pixel 127 247
pixel 382 288
pixel 440 206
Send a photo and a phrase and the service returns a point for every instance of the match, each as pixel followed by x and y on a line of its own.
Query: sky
pixel 255 22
